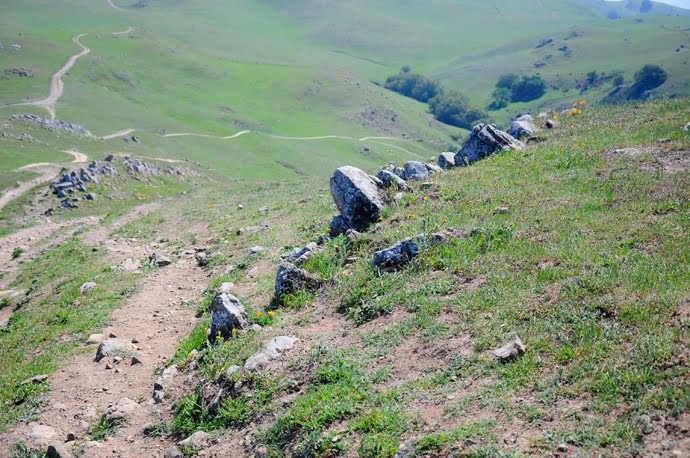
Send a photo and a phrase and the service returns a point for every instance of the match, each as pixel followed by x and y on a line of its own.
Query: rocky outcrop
pixel 358 197
pixel 484 141
pixel 227 314
pixel 523 126
pixel 54 124
pixel 290 279
pixel 82 179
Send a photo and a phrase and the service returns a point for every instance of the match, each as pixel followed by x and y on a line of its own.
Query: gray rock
pixel 130 265
pixel 358 197
pixel 227 314
pixel 446 160
pixel 551 123
pixel 686 127
pixel 163 380
pixel 69 203
pixel 159 260
pixel 337 226
pixel 41 434
pixel 270 350
pixel 390 179
pixel 523 127
pixel 113 347
pixel 400 253
pixel 91 449
pixel 484 141
pixel 198 440
pixel 299 255
pixel 415 170
pixel 54 124
pixel 256 249
pixel 94 339
pixel 291 279
pixel 172 452
pixel 89 285
pixel 120 411
pixel 433 168
pixel 510 351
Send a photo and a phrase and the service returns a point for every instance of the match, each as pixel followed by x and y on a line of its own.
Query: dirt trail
pixel 157 317
pixel 57 86
pixel 117 134
pixel 47 172
pixel 124 32
pixel 113 5
pixel 189 134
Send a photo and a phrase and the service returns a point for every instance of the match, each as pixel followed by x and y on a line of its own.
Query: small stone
pixel 89 285
pixel 172 452
pixel 501 211
pixel 199 439
pixel 57 450
pixel 159 260
pixel 35 379
pixel 263 209
pixel 71 437
pixel 135 360
pixel 112 335
pixel 135 341
pixel 240 206
pixel 108 366
pixel 562 448
pixel 510 351
pixel 256 327
pixel 94 339
pixel 256 249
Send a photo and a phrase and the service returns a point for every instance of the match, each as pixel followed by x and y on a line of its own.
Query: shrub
pixel 647 78
pixel 413 85
pixel 453 108
pixel 527 89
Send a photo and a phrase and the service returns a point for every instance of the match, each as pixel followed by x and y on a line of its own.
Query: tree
pixel 414 85
pixel 453 108
pixel 618 81
pixel 406 69
pixel 527 89
pixel 507 80
pixel 647 78
pixel 501 98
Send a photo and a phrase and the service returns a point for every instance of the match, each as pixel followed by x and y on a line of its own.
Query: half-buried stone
pixel 290 279
pixel 270 350
pixel 415 170
pixel 227 314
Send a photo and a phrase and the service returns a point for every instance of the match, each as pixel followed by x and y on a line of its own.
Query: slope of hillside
pixel 577 245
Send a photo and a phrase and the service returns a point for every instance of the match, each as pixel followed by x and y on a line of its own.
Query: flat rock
pixel 398 254
pixel 415 170
pixel 94 339
pixel 159 260
pixel 270 350
pixel 57 450
pixel 523 126
pixel 41 434
pixel 390 179
pixel 120 411
pixel 198 440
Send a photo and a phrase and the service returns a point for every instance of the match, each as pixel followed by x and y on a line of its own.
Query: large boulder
pixel 446 160
pixel 415 170
pixel 523 127
pixel 227 314
pixel 484 141
pixel 291 279
pixel 358 196
pixel 390 179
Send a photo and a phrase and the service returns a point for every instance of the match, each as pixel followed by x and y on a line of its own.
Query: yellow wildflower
pixel 271 314
pixel 258 314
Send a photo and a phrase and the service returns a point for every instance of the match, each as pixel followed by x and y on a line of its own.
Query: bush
pixel 647 78
pixel 413 85
pixel 527 89
pixel 453 108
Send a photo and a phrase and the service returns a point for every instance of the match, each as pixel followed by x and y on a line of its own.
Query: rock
pixel 41 434
pixel 644 422
pixel 270 350
pixel 69 203
pixel 130 265
pixel 433 168
pixel 299 255
pixel 94 339
pixel 35 379
pixel 113 347
pixel 686 127
pixel 263 210
pixel 484 141
pixel 563 448
pixel 91 196
pixel 358 197
pixel 522 127
pixel 197 440
pixel 337 226
pixel 227 314
pixel 202 259
pixel 415 170
pixel 256 249
pixel 446 160
pixel 551 124
pixel 406 449
pixel 172 452
pixel 135 139
pixel 120 411
pixel 510 351
pixel 135 360
pixel 291 279
pixel 400 253
pixel 226 287
pixel 390 179
pixel 58 450
pixel 54 124
pixel 161 382
pixel 87 286
pixel 91 449
pixel 502 211
pixel 159 260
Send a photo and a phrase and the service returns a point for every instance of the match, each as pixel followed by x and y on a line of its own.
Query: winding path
pixel 113 5
pixel 124 32
pixel 117 134
pixel 189 134
pixel 46 170
pixel 57 86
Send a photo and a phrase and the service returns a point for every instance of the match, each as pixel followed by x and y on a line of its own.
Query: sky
pixel 681 3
